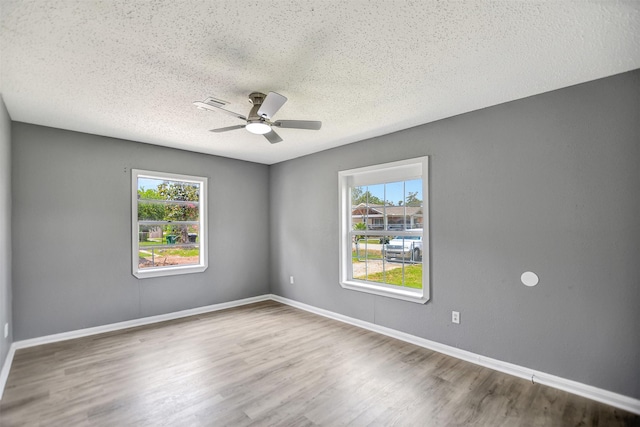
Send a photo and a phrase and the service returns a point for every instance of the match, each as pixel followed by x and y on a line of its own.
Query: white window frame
pixel 404 170
pixel 203 234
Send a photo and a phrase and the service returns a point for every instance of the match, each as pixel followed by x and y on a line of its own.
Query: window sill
pixel 416 295
pixel 168 271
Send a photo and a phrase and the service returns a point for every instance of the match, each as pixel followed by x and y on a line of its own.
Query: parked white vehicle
pixel 404 247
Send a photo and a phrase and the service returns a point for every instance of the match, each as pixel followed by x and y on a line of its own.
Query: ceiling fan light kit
pixel 259 120
pixel 258 127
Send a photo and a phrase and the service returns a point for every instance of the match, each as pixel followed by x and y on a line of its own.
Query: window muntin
pixel 384 246
pixel 398 262
pixel 169 223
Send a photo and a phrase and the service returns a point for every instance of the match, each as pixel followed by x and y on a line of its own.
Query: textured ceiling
pixel 131 69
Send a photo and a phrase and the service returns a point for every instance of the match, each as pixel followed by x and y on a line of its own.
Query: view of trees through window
pixel 387 222
pixel 384 229
pixel 168 223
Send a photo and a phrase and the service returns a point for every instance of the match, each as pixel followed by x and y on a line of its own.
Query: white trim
pixel 203 221
pixel 6 368
pixel 590 392
pixel 136 322
pixel 168 271
pixel 80 333
pixel 405 294
pixel 403 170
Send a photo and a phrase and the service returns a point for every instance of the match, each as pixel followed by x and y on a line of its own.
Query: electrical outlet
pixel 455 316
pixel 291 279
pixel 6 330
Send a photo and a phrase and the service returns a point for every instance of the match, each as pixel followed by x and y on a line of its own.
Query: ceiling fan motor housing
pixel 256 98
pixel 255 123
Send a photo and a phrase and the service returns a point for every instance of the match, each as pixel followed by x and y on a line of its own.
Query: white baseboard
pixel 590 392
pixel 4 374
pixel 6 367
pixel 594 393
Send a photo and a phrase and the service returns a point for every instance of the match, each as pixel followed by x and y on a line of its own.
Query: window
pixel 384 229
pixel 169 214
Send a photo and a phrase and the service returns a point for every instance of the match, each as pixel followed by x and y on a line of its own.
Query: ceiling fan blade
pixel 299 124
pixel 228 128
pixel 272 137
pixel 206 106
pixel 271 104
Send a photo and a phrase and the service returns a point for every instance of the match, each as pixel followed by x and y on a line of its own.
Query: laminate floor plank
pixel 268 364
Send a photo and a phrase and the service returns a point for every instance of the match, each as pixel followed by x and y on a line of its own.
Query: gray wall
pixel 549 183
pixel 72 231
pixel 5 231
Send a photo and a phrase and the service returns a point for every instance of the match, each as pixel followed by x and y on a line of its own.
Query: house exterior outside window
pixel 384 229
pixel 169 223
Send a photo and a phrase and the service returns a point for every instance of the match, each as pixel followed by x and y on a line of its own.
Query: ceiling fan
pixel 259 120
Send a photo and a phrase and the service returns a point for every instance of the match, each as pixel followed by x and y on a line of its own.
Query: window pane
pixel 395 193
pixel 357 196
pixel 398 265
pixel 375 195
pixel 413 192
pixel 177 190
pixel 375 204
pixel 170 211
pixel 400 273
pixel 184 211
pixel 382 223
pixel 147 188
pixel 149 211
pixel 385 258
pixel 367 259
pixel 404 254
pixel 150 257
pixel 359 208
pixel 375 265
pixel 165 200
pixel 168 245
pixel 413 204
pixel 394 210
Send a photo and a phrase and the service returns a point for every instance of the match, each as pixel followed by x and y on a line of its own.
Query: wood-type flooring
pixel 270 364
